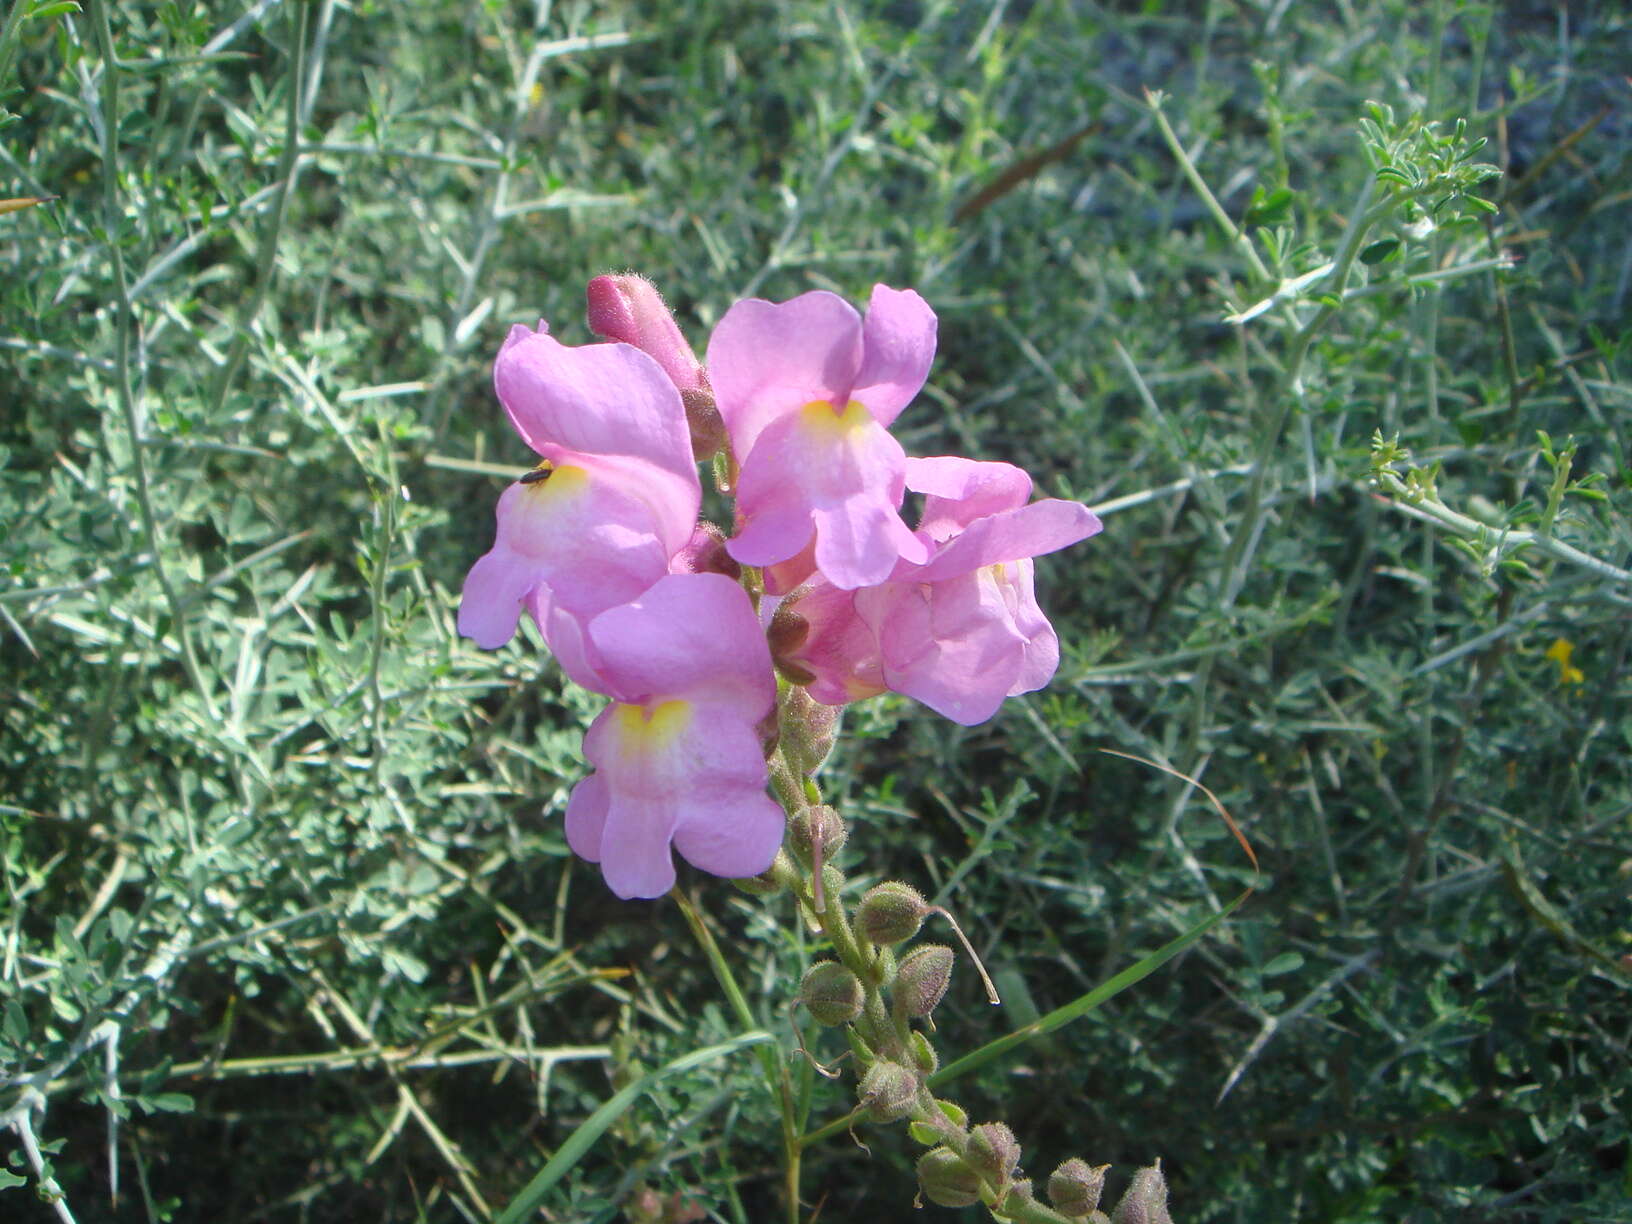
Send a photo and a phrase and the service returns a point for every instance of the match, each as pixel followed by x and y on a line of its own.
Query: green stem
pixel 272 229
pixel 1154 102
pixel 124 325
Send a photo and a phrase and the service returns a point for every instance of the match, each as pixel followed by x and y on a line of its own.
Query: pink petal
pixel 779 528
pixel 837 469
pixel 586 817
pixel 859 540
pixel 840 649
pixel 1042 653
pixel 898 337
pixel 952 646
pixel 690 635
pixel 767 359
pixel 681 771
pixel 598 399
pixel 963 490
pixel 490 603
pixel 635 858
pixel 1030 531
pixel 734 835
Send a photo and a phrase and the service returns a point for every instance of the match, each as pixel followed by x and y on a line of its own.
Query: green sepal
pixel 924 1133
pixel 858 1047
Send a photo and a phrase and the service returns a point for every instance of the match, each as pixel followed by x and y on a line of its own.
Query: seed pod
pixel 947 1180
pixel 888 1090
pixel 993 1153
pixel 1074 1188
pixel 831 993
pixel 922 978
pixel 891 913
pixel 1146 1199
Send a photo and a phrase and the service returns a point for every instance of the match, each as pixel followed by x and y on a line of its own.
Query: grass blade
pixel 593 1127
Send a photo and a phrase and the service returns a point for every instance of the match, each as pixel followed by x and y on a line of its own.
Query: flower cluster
pixel 685 628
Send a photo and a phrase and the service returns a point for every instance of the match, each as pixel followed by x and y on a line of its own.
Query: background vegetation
pixel 283 889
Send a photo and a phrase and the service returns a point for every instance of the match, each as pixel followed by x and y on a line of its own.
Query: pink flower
pixel 808 390
pixel 677 757
pixel 962 631
pixel 613 502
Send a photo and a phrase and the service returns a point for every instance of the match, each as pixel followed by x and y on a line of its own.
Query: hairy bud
pixel 1146 1199
pixel 922 977
pixel 1074 1188
pixel 831 993
pixel 817 824
pixel 808 730
pixel 891 913
pixel 888 1090
pixel 993 1153
pixel 947 1180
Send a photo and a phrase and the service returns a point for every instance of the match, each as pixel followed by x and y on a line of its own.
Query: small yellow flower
pixel 1560 652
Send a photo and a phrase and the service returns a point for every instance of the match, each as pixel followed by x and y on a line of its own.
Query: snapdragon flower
pixel 677 756
pixel 960 632
pixel 615 499
pixel 808 389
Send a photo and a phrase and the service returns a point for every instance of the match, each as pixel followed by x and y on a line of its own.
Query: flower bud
pixel 831 993
pixel 1146 1199
pixel 820 823
pixel 947 1180
pixel 888 1091
pixel 808 730
pixel 1017 1198
pixel 922 978
pixel 628 309
pixel 1074 1188
pixel 891 913
pixel 993 1153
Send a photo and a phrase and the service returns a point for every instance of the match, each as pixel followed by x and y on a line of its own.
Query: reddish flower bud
pixel 1146 1199
pixel 831 993
pixel 888 1090
pixel 629 309
pixel 922 978
pixel 891 913
pixel 1074 1188
pixel 946 1179
pixel 993 1153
